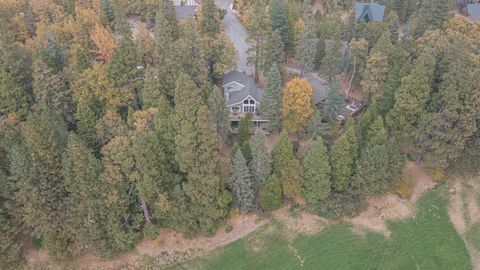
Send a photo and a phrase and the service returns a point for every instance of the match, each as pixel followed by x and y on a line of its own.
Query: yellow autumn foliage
pixel 297 104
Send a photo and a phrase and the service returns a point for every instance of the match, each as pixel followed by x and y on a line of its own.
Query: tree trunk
pixel 351 79
pixel 145 211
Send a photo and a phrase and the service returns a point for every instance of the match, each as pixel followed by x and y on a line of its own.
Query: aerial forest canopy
pixel 109 132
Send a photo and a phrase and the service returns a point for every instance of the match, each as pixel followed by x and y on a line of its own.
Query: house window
pixel 229 88
pixel 249 105
pixel 235 109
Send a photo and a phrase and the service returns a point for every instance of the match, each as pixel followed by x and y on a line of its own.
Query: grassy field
pixel 427 241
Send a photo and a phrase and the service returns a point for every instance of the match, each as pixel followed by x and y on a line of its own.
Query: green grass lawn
pixel 427 241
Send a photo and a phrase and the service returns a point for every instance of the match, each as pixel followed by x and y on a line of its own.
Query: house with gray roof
pixel 369 12
pixel 185 12
pixel 473 11
pixel 241 95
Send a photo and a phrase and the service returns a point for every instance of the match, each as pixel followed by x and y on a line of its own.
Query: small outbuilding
pixel 369 12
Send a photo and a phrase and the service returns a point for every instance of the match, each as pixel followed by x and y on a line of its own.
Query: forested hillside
pixel 107 136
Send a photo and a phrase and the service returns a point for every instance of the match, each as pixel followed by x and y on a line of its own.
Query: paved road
pixel 237 34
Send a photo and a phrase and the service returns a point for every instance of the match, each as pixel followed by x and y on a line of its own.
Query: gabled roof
pixel 185 12
pixel 374 12
pixel 250 88
pixel 473 11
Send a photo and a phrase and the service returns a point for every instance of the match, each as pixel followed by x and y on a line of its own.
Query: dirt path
pixel 390 207
pixel 464 211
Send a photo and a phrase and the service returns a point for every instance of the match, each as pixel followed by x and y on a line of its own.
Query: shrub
pixel 405 188
pixel 437 175
pixel 228 229
pixel 150 231
pixel 339 204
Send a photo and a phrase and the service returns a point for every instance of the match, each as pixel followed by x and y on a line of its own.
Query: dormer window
pixel 249 105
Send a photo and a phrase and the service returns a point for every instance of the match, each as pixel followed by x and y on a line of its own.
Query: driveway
pixel 237 34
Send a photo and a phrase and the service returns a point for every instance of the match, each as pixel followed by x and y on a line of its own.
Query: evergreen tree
pixel 292 178
pixel 152 91
pixel 14 99
pixel 244 127
pixel 271 195
pixel 197 155
pixel 241 184
pixel 274 51
pixel 166 32
pixel 282 153
pixel 209 19
pixel 333 55
pixel 191 57
pixel 261 164
pixel 51 89
pixel 317 128
pixel 279 18
pixel 307 46
pixel 432 14
pixel 257 34
pixel 377 67
pixel 376 133
pixel 218 106
pixel 271 102
pixel 123 69
pixel 107 11
pixel 89 213
pixel 37 168
pixel 333 102
pixel 316 165
pixel 89 111
pixel 343 156
pixel 393 23
pixel 52 55
pixel 372 174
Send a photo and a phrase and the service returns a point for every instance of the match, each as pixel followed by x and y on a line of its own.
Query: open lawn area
pixel 426 241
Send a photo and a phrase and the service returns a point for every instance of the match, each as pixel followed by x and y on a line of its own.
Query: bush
pixel 437 175
pixel 405 188
pixel 228 229
pixel 339 204
pixel 150 231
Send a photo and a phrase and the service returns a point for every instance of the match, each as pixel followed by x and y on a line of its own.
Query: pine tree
pixel 197 155
pixel 123 69
pixel 297 104
pixel 271 102
pixel 316 165
pixel 107 11
pixel 37 168
pixel 244 127
pixel 377 67
pixel 50 89
pixel 217 104
pixel 333 56
pixel 432 14
pixel 279 18
pixel 209 19
pixel 14 99
pixel 257 34
pixel 89 213
pixel 110 126
pixel 271 195
pixel 282 153
pixel 241 184
pixel 261 164
pixel 166 32
pixel 393 23
pixel 274 51
pixel 372 173
pixel 307 46
pixel 317 128
pixel 152 90
pixel 191 57
pixel 52 55
pixel 292 178
pixel 333 102
pixel 89 111
pixel 376 133
pixel 343 156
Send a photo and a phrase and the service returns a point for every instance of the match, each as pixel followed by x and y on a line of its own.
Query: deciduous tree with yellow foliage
pixel 297 104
